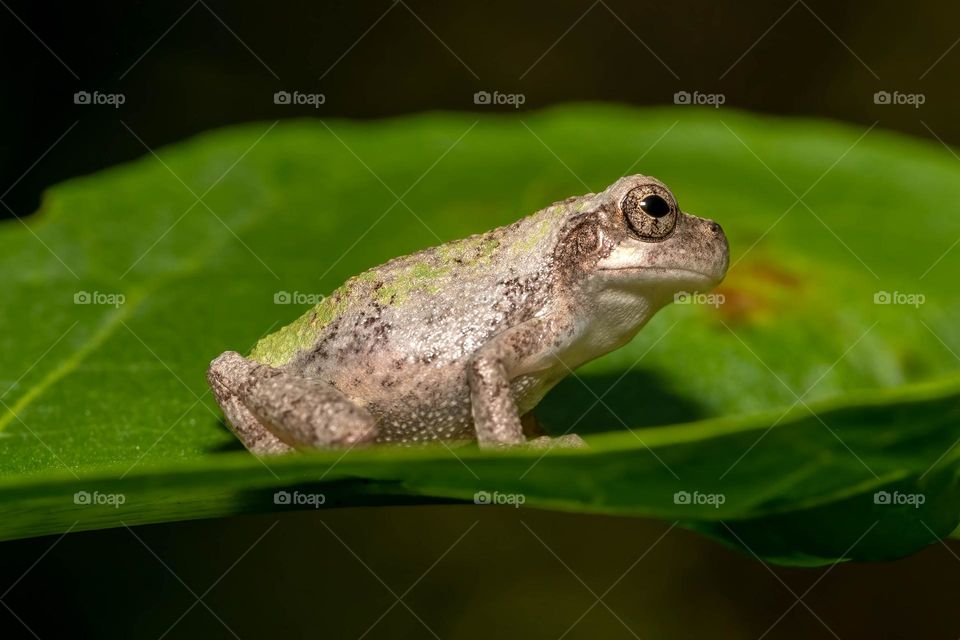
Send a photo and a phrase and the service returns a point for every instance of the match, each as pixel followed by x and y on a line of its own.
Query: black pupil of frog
pixel 655 206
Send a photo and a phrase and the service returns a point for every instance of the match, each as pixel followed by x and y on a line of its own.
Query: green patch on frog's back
pixel 396 282
pixel 391 284
pixel 279 347
pixel 540 225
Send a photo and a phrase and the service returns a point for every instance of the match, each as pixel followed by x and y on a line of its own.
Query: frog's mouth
pixel 680 276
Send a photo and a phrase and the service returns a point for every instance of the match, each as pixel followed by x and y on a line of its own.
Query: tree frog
pixel 459 342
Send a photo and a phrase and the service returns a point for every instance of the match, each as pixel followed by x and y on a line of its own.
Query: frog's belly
pixel 437 411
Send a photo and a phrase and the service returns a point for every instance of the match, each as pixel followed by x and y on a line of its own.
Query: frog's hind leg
pixel 303 413
pixel 248 429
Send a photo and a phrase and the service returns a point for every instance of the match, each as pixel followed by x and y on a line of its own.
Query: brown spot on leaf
pixel 757 291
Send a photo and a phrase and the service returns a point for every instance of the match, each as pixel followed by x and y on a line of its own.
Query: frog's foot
pixel 301 413
pixel 567 441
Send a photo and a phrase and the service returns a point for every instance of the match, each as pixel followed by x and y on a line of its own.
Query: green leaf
pixel 780 412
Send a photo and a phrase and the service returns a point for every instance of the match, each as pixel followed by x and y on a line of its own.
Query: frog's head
pixel 634 241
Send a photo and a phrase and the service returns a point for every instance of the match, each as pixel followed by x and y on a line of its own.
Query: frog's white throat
pixel 610 317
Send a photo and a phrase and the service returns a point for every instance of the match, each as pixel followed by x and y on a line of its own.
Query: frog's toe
pixel 566 441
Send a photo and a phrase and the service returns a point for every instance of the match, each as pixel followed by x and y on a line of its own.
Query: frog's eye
pixel 655 206
pixel 649 213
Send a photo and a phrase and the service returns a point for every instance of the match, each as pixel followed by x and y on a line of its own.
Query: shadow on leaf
pixel 638 400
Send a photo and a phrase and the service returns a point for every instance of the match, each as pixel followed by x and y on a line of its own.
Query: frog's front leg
pixel 302 413
pixel 520 350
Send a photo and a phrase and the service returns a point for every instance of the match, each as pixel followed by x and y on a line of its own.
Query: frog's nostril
pixel 715 228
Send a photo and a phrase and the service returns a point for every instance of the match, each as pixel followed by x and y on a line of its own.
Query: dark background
pixel 185 67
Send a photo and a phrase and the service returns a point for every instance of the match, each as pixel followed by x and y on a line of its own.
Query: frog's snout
pixel 723 251
pixel 714 254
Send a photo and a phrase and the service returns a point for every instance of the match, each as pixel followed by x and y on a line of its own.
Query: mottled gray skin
pixel 457 342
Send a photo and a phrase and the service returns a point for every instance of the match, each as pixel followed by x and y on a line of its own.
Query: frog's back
pixel 436 304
